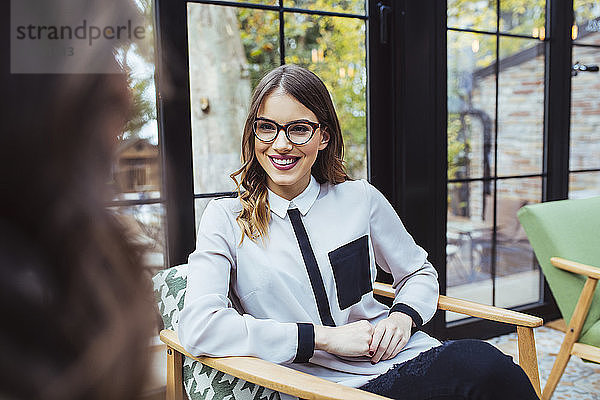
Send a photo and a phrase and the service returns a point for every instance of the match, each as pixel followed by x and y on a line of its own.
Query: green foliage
pixel 586 10
pixel 259 32
pixel 141 84
pixel 144 110
pixel 516 16
pixel 523 17
pixel 347 6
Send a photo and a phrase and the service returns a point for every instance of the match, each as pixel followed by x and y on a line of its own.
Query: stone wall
pixel 585 114
pixel 520 127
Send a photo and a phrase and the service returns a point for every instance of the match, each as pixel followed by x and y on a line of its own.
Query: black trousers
pixel 456 370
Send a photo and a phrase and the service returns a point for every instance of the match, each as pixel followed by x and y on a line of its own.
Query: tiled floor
pixel 581 379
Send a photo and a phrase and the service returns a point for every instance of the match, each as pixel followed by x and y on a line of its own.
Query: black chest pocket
pixel 352 271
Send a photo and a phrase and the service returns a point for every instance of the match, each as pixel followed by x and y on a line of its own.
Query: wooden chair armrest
pixel 575 267
pixel 488 312
pixel 472 309
pixel 274 376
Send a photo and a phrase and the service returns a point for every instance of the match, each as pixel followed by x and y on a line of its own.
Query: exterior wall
pixel 585 122
pixel 137 168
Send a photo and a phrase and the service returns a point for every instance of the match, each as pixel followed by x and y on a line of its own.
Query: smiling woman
pixel 303 294
pixel 287 94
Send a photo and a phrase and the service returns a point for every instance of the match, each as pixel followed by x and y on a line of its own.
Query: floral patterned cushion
pixel 201 381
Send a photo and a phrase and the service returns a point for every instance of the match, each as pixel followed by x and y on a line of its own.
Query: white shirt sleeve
pixel 208 324
pixel 415 279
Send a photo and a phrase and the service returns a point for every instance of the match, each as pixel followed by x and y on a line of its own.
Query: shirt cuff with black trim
pixel 411 312
pixel 306 342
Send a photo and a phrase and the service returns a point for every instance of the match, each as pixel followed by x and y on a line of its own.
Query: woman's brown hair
pixel 75 299
pixel 308 89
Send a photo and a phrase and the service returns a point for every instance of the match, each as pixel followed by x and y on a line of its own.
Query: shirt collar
pixel 303 201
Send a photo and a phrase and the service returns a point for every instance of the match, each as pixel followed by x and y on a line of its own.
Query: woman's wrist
pixel 321 337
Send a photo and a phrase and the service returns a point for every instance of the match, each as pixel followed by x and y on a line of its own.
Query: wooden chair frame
pixel 570 346
pixel 304 386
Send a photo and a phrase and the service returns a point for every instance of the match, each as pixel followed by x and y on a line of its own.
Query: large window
pixel 498 143
pixel 136 174
pixel 232 45
pixel 496 63
pixel 212 55
pixel 484 83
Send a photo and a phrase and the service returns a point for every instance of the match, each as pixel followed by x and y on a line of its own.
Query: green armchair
pixel 565 236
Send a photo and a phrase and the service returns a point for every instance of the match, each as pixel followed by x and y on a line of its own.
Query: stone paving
pixel 581 379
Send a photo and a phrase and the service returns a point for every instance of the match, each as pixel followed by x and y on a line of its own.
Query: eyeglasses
pixel 298 132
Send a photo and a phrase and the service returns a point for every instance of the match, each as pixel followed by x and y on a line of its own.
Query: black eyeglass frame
pixel 313 125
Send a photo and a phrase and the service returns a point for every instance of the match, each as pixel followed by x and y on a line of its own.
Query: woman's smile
pixel 283 162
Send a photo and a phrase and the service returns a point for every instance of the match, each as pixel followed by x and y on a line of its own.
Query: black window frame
pixel 555 173
pixel 406 126
pixel 173 104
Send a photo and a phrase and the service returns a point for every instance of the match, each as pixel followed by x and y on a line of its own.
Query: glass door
pixel 496 85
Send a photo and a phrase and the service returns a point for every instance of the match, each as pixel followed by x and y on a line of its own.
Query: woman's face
pixel 287 179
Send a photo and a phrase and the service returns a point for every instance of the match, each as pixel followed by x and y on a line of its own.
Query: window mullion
pixel 557 99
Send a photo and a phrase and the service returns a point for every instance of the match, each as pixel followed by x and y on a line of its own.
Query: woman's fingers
pixel 399 346
pixel 378 332
pixel 388 335
pixel 397 338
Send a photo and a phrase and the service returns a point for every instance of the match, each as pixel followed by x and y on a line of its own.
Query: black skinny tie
pixel 316 280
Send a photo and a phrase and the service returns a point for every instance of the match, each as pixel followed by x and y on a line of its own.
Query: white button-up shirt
pixel 248 299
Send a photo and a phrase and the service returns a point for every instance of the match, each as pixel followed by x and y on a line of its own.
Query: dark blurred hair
pixel 76 306
pixel 308 89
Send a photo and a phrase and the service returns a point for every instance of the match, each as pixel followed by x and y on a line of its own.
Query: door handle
pixel 384 12
pixel 579 67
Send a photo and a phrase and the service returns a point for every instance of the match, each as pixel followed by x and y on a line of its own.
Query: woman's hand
pixel 390 336
pixel 351 340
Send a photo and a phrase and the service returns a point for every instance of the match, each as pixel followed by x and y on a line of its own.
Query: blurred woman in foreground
pixel 75 305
